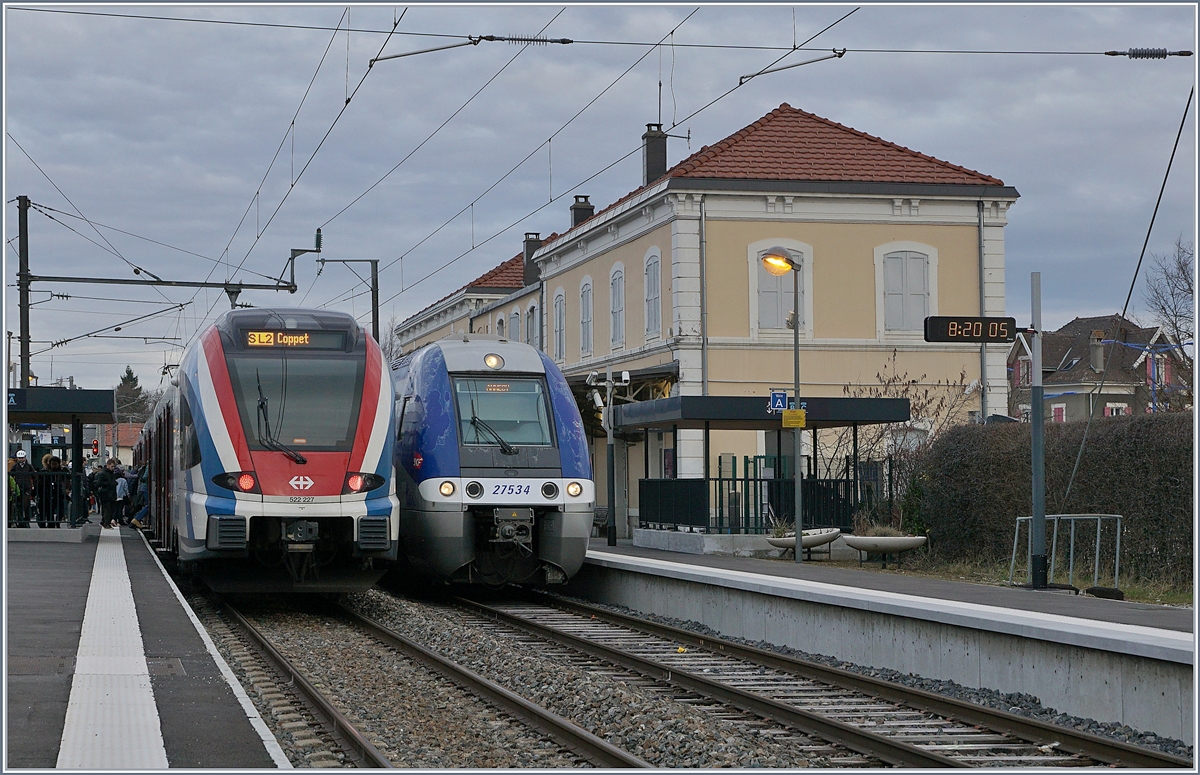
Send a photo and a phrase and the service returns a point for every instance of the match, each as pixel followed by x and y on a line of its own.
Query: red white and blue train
pixel 271 455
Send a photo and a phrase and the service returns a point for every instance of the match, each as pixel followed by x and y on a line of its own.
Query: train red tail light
pixel 238 481
pixel 360 482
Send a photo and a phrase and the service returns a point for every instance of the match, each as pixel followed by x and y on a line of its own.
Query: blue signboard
pixel 779 400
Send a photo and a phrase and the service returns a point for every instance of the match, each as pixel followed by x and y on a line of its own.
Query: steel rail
pixel 1041 733
pixel 893 752
pixel 591 747
pixel 346 731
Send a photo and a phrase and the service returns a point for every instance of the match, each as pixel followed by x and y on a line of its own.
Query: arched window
pixel 500 326
pixel 585 318
pixel 776 295
pixel 653 300
pixel 560 326
pixel 616 286
pixel 906 290
pixel 531 327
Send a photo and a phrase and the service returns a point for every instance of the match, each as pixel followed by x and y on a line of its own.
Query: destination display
pixel 970 329
pixel 305 340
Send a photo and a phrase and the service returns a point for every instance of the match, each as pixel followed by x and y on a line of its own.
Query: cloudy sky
pixel 205 148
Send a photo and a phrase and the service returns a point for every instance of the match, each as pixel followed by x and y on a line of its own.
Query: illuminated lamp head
pixel 778 261
pixel 245 482
pixel 493 361
pixel 355 482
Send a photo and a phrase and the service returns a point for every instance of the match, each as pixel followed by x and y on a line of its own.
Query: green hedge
pixel 974 482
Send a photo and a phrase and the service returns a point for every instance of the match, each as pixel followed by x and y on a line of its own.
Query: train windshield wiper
pixel 505 447
pixel 268 439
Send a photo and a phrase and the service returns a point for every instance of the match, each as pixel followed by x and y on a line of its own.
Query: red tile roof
pixel 509 276
pixel 790 144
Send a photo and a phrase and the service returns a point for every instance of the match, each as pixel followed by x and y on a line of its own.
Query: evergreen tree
pixel 132 403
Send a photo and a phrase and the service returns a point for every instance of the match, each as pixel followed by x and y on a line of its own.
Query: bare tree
pixel 390 344
pixel 1169 295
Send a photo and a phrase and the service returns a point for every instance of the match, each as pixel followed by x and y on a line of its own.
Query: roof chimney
pixel 1097 351
pixel 581 210
pixel 533 241
pixel 654 154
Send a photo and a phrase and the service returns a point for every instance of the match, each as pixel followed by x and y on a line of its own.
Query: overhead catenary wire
pixel 43 208
pixel 606 168
pixel 598 42
pixel 1125 309
pixel 117 327
pixel 440 126
pixel 137 269
pixel 470 205
pixel 316 150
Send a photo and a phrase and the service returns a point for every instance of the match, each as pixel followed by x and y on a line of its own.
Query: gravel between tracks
pixel 421 719
pixel 1022 704
pixel 663 732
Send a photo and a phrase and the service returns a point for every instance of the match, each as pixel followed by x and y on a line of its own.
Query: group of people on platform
pixel 118 494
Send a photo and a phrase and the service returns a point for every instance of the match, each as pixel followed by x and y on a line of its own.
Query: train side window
pixel 191 441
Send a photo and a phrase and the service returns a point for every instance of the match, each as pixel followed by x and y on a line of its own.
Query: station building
pixel 667 283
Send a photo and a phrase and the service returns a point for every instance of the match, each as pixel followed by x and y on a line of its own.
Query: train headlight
pixel 360 482
pixel 549 490
pixel 473 490
pixel 238 481
pixel 574 489
pixel 447 489
pixel 493 361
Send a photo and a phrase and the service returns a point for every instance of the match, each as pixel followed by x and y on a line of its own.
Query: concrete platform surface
pixel 108 670
pixel 1048 602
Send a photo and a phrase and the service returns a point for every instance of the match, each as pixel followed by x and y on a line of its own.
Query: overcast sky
pixel 179 135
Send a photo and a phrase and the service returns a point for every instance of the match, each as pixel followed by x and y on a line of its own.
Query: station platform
pixel 109 670
pixel 1109 660
pixel 1017 598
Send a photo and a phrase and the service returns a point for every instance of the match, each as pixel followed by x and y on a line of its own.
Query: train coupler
pixel 300 535
pixel 512 526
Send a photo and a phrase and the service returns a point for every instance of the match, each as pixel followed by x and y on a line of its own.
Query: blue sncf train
pixel 492 465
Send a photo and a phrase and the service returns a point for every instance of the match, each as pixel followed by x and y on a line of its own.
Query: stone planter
pixel 884 545
pixel 815 537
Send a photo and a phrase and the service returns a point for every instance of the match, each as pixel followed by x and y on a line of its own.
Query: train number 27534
pixel 510 489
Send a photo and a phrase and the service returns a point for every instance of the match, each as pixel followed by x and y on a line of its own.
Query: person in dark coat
pixel 22 472
pixel 106 492
pixel 52 494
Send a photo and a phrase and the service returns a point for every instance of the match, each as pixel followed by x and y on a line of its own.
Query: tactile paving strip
pixel 112 721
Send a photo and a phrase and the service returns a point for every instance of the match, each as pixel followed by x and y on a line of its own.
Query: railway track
pixel 588 747
pixel 879 720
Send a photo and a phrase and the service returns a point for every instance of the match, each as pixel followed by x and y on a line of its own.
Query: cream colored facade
pixel 708 242
pixel 670 276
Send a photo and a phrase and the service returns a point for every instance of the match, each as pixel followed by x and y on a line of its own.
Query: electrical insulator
pixel 318 240
pixel 1147 53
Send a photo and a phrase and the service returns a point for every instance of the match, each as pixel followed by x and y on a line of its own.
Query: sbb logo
pixel 300 482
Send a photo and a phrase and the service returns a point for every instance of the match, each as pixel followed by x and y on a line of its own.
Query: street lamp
pixel 778 261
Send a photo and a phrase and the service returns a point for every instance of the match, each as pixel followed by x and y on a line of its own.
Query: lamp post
pixel 778 261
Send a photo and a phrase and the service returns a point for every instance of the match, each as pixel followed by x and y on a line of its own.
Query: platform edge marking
pixel 256 721
pixel 111 678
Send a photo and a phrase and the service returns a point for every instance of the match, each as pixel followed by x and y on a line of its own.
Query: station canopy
pixel 753 413
pixel 61 405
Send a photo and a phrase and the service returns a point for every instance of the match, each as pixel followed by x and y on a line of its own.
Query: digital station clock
pixel 968 329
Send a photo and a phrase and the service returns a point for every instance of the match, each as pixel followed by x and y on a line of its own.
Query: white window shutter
pixel 893 292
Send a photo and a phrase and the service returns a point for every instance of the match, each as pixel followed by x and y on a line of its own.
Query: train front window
pixel 502 411
pixel 308 402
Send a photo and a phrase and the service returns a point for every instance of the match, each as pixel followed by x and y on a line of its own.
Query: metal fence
pixel 45 500
pixel 743 504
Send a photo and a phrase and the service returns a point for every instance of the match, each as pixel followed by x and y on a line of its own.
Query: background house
pixel 1142 370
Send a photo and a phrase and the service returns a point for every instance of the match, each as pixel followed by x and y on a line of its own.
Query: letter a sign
pixel 779 400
